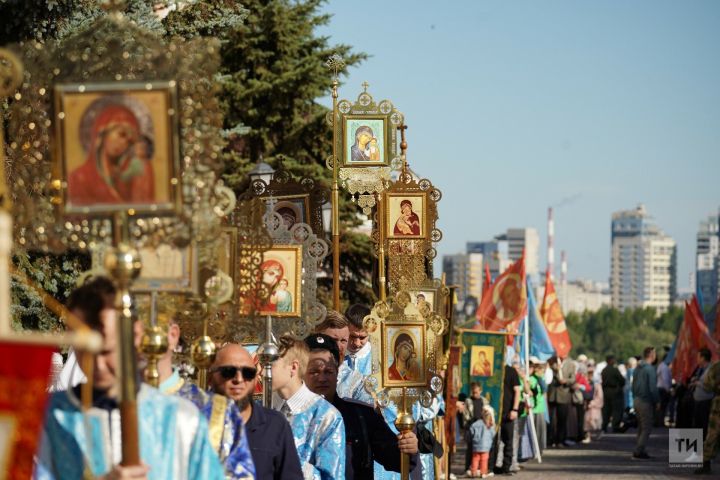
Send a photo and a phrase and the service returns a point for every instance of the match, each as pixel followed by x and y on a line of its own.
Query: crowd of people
pixel 323 423
pixel 575 401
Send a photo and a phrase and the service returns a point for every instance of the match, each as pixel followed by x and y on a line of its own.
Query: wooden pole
pixel 381 244
pixel 123 263
pixel 335 203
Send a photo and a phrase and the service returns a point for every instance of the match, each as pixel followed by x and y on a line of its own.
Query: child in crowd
pixel 482 433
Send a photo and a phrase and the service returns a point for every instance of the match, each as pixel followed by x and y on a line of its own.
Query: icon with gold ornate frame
pixel 166 268
pixel 292 208
pixel 404 356
pixel 282 277
pixel 117 147
pixel 366 141
pixel 227 251
pixel 406 215
pixel 294 200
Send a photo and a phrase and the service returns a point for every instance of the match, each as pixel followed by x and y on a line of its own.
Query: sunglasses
pixel 228 372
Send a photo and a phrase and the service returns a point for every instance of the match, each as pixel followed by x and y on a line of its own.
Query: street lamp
pixel 262 171
pixel 327 216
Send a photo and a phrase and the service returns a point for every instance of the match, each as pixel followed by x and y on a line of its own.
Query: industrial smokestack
pixel 563 279
pixel 550 242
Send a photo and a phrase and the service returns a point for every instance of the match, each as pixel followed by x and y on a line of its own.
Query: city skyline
pixel 513 107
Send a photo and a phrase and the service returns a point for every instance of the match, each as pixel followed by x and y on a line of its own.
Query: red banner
pixel 24 372
pixel 693 336
pixel 505 304
pixel 554 321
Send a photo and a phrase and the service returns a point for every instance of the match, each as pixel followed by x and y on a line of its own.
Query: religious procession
pixel 219 262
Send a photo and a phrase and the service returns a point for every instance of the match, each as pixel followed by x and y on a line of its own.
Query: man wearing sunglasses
pixel 226 427
pixel 234 375
pixel 368 438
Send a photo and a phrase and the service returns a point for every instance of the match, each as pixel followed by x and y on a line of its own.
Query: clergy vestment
pixel 172 433
pixel 360 361
pixel 319 434
pixel 225 425
pixel 351 384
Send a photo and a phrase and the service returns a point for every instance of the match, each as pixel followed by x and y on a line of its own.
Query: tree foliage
pixel 272 76
pixel 621 333
pixel 273 73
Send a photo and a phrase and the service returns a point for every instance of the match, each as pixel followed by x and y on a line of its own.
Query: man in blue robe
pixel 172 433
pixel 351 382
pixel 317 426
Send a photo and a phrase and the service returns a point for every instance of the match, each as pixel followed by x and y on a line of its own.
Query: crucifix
pixel 403 145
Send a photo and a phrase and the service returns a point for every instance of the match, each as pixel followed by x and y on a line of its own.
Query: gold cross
pixel 403 144
pixel 365 86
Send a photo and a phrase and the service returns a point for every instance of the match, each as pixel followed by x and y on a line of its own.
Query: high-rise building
pixel 643 270
pixel 707 259
pixel 581 295
pixel 466 271
pixel 494 254
pixel 526 239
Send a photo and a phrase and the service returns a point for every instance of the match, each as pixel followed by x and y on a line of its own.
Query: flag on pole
pixel 486 281
pixel 554 320
pixel 540 344
pixel 693 336
pixel 505 303
pixel 24 374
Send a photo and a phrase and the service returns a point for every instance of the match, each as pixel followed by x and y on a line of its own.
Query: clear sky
pixel 513 106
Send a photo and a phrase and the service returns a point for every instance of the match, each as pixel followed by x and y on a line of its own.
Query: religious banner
pixel 453 385
pixel 554 320
pixel 505 304
pixel 24 374
pixel 482 362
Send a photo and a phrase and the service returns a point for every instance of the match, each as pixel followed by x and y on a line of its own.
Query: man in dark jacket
pixel 268 432
pixel 367 435
pixel 612 384
pixel 646 399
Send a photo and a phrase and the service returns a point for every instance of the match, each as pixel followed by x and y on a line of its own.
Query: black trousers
pixel 613 408
pixel 559 413
pixel 701 415
pixel 506 435
pixel 580 412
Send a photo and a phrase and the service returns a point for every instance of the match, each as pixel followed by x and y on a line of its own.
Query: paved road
pixel 609 457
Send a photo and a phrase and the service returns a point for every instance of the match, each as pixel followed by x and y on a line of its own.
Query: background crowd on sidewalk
pixel 573 402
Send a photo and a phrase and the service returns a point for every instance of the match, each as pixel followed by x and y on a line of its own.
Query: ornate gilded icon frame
pixel 100 97
pixel 284 188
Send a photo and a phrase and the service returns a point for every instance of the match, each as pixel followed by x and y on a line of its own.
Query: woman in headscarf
pixel 117 168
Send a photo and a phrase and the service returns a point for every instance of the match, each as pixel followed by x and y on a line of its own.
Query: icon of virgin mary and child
pixel 117 167
pixel 280 299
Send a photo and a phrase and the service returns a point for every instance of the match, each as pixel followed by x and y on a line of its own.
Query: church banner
pixel 24 374
pixel 482 362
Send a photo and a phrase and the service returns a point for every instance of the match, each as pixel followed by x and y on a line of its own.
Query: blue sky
pixel 513 106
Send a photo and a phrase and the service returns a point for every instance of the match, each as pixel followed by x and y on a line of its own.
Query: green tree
pixel 273 73
pixel 622 333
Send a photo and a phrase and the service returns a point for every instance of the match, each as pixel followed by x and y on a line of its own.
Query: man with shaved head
pixel 234 375
pixel 226 429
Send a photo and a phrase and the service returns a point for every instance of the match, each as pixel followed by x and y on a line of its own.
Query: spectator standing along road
pixel 612 384
pixel 647 399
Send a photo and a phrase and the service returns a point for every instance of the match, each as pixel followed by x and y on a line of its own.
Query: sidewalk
pixel 609 457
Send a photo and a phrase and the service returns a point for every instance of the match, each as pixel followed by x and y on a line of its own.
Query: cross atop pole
pixel 365 86
pixel 403 145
